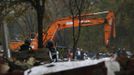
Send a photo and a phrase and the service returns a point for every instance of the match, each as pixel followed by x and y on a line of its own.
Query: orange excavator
pixel 86 20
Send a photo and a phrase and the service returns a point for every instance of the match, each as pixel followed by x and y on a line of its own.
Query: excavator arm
pixel 108 21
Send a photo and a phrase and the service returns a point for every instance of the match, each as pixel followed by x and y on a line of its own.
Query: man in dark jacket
pixel 53 53
pixel 26 46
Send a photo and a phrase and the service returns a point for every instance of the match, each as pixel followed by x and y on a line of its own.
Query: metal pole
pixel 7 53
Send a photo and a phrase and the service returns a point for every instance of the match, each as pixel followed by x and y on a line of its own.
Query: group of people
pixel 80 54
pixel 53 52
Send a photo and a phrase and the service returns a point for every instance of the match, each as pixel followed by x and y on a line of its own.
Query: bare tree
pixel 5 8
pixel 39 6
pixel 27 23
pixel 76 7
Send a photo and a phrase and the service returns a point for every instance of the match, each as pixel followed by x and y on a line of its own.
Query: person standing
pixel 78 54
pixel 69 55
pixel 53 53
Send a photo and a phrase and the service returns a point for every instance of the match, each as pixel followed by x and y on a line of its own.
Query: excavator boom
pixel 67 22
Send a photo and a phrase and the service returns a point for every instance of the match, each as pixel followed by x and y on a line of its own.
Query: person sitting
pixel 26 46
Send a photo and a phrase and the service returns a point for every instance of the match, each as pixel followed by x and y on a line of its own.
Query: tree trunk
pixel 40 12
